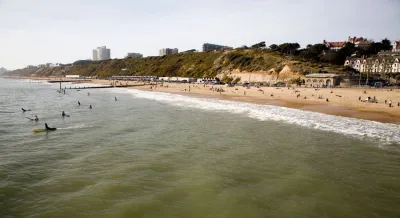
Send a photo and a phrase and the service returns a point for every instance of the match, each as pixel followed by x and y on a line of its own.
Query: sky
pixel 35 32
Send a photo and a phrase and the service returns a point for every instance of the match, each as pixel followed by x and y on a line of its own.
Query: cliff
pixel 246 65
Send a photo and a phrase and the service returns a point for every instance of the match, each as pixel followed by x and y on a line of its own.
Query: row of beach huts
pixel 151 79
pixel 164 79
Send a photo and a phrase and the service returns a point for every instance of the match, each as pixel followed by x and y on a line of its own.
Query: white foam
pixel 81 85
pixel 383 132
pixel 78 126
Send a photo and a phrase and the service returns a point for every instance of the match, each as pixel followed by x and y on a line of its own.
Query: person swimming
pixel 63 114
pixel 48 128
pixel 79 103
pixel 115 98
pixel 90 107
pixel 24 110
pixel 33 119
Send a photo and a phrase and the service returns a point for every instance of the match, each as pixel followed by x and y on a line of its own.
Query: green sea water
pixel 158 155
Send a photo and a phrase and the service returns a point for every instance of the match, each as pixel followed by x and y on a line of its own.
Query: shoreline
pixel 335 110
pixel 342 101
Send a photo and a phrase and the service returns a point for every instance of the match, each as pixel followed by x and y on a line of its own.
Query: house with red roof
pixel 336 46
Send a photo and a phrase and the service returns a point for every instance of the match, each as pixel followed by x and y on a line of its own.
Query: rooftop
pixel 321 75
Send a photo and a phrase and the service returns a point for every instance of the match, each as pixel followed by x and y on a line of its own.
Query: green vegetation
pixel 313 59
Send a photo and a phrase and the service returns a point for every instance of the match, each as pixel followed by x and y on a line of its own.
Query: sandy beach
pixel 334 101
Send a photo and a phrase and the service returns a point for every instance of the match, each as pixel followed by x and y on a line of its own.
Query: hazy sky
pixel 42 31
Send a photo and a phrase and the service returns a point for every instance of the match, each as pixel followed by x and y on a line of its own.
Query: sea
pixel 153 154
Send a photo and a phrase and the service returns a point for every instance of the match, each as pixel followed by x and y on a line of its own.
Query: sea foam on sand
pixel 384 133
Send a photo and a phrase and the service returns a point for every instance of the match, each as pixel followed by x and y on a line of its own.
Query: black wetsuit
pixel 48 128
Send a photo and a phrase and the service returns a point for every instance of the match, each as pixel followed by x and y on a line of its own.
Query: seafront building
pixel 101 53
pixel 168 51
pixel 213 47
pixel 319 80
pixel 134 55
pixel 381 64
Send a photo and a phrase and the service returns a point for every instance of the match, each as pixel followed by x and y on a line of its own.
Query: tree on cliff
pixel 288 48
pixel 313 52
pixel 273 47
pixel 258 45
pixel 386 44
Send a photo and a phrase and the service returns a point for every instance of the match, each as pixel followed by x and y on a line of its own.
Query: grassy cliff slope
pixel 196 64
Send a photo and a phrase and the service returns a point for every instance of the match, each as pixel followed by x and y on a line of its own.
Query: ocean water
pixel 153 154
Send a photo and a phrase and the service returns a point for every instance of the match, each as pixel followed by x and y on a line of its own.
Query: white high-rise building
pixel 101 53
pixel 2 70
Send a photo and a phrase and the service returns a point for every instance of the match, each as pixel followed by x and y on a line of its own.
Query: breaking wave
pixel 385 133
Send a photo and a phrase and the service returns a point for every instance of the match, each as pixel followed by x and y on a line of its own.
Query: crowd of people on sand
pixel 294 90
pixel 63 114
pixel 375 100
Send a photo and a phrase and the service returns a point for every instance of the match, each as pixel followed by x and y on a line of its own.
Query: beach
pixel 341 101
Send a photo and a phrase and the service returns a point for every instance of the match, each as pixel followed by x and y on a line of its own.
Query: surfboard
pixel 39 130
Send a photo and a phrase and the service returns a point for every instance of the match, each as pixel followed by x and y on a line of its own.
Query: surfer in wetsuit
pixel 79 103
pixel 63 114
pixel 48 128
pixel 36 118
pixel 115 98
pixel 23 110
pixel 90 107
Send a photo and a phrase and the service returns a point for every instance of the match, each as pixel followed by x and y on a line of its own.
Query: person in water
pixel 33 119
pixel 79 103
pixel 115 98
pixel 63 114
pixel 23 110
pixel 90 107
pixel 48 128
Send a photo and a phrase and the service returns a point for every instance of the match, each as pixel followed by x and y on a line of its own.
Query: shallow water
pixel 162 155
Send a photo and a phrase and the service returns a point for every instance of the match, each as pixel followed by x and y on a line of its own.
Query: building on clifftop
pixel 336 46
pixel 213 47
pixel 396 46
